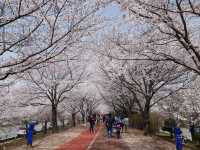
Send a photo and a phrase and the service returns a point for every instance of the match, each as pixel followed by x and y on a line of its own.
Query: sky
pixel 114 14
pixel 112 10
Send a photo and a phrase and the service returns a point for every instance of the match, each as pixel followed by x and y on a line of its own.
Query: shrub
pixel 155 122
pixel 169 124
pixel 136 121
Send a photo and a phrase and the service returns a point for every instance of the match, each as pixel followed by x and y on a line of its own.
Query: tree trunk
pixel 45 126
pixel 63 123
pixel 73 119
pixel 54 118
pixel 146 118
pixel 146 121
pixel 83 117
pixel 26 124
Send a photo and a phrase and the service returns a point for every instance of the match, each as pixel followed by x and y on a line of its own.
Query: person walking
pixel 30 134
pixel 179 139
pixel 118 126
pixel 126 123
pixel 92 123
pixel 192 131
pixel 109 125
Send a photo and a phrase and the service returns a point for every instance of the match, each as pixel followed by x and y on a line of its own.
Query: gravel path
pixel 104 143
pixel 133 140
pixel 53 141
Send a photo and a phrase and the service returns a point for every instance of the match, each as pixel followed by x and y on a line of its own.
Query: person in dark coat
pixel 92 123
pixel 192 131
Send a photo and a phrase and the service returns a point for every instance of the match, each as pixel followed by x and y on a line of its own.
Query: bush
pixel 196 135
pixel 155 122
pixel 169 124
pixel 136 121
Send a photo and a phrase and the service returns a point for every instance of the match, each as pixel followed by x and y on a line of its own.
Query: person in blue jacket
pixel 179 139
pixel 30 133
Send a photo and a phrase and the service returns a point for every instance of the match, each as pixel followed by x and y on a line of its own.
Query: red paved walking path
pixel 81 142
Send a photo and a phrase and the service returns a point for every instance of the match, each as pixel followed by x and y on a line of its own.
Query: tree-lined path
pixel 80 139
pixel 132 63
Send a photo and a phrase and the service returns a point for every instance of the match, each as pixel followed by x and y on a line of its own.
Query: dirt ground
pixel 53 141
pixel 133 140
pixel 104 143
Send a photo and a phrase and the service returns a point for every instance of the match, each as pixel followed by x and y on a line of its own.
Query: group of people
pixel 111 123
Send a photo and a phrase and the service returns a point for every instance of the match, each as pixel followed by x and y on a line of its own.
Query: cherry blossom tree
pixel 171 30
pixel 184 104
pixel 71 106
pixel 149 82
pixel 33 32
pixel 51 85
pixel 116 96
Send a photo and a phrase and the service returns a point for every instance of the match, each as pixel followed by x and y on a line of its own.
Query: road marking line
pixel 94 139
